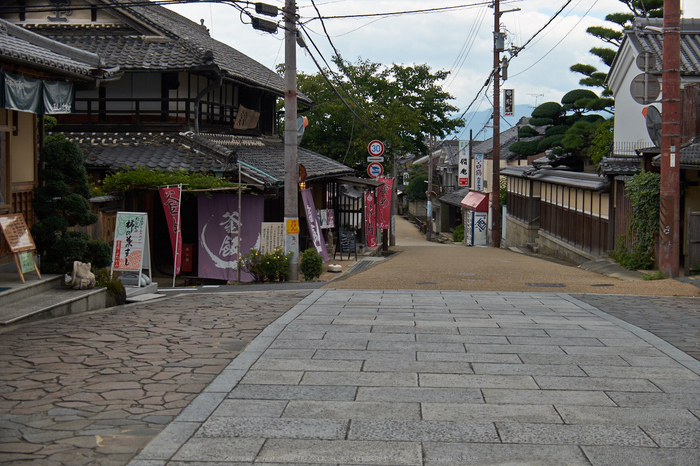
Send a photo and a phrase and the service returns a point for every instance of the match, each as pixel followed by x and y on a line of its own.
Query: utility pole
pixel 429 233
pixel 291 169
pixel 496 183
pixel 670 211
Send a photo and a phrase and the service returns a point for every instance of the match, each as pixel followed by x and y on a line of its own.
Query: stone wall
pixel 554 247
pixel 519 234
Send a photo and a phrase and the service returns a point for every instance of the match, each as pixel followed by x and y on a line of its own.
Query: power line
pixel 411 12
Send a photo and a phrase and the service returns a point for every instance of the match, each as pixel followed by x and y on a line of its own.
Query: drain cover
pixel 547 285
pixel 603 284
pixel 466 274
pixel 426 283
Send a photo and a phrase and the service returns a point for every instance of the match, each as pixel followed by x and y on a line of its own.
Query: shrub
pixel 311 264
pixel 115 290
pixel 547 110
pixel 527 132
pixel 271 267
pixel 541 121
pixel 458 234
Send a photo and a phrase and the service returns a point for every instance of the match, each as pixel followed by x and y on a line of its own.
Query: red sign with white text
pixel 171 204
pixel 384 203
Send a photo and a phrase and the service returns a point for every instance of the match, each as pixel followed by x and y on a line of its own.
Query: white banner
pixel 479 172
pixel 463 164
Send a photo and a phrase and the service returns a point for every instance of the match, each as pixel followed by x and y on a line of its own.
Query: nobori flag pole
pixel 291 170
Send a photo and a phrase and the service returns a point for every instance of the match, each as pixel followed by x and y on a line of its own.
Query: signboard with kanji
pixel 479 172
pixel 18 242
pixel 130 241
pixel 463 164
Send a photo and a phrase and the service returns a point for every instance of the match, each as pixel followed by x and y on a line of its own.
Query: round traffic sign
pixel 375 169
pixel 375 148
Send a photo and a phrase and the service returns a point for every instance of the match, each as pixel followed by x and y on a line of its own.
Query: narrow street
pixel 439 354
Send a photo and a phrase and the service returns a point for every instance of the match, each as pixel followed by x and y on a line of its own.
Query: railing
pixel 96 112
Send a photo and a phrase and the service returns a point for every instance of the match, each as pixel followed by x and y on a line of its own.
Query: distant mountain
pixel 476 121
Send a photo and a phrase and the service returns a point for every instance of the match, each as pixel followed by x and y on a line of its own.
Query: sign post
pixel 19 243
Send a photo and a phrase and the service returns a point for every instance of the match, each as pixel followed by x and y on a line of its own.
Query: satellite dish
pixel 653 117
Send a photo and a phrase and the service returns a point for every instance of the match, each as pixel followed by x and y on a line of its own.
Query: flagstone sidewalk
pixel 443 377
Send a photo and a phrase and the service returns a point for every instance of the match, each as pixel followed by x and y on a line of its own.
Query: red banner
pixel 370 220
pixel 384 203
pixel 171 204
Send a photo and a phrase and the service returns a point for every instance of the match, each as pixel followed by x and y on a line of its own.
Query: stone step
pixel 32 286
pixel 53 302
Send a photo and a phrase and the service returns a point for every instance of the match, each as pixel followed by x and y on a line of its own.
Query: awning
pixel 476 201
pixel 359 181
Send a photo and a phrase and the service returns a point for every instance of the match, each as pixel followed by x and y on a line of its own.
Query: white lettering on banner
pixel 463 165
pixel 479 172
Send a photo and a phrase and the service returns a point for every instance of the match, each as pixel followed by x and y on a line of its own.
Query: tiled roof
pixel 267 155
pixel 620 165
pixel 179 44
pixel 26 48
pixel 689 157
pixel 507 138
pixel 589 181
pixel 455 197
pixel 164 151
pixel 651 40
pixel 262 158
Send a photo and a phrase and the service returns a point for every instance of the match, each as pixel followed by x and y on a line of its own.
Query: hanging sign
pixel 370 221
pixel 463 165
pixel 479 172
pixel 384 203
pixel 170 197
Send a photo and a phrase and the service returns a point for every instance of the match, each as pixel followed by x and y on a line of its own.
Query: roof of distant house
pixel 262 159
pixel 26 48
pixel 154 38
pixel 646 35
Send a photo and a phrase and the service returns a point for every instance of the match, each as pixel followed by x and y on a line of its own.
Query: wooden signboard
pixel 346 244
pixel 19 243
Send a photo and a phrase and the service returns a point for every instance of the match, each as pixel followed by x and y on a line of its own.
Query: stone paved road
pixel 95 388
pixel 673 319
pixel 401 377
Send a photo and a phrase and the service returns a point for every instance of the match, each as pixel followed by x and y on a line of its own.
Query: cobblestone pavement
pixel 673 319
pixel 95 388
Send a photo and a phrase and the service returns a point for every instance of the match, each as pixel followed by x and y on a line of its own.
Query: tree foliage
pixel 61 202
pixel 401 105
pixel 146 178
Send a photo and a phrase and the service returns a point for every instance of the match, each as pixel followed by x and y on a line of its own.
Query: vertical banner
pixel 508 101
pixel 463 164
pixel 130 238
pixel 370 220
pixel 479 172
pixel 219 224
pixel 384 203
pixel 170 197
pixel 312 223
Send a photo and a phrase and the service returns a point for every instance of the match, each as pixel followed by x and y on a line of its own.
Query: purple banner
pixel 218 222
pixel 171 203
pixel 312 222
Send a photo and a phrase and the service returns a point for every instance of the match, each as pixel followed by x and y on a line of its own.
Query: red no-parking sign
pixel 375 169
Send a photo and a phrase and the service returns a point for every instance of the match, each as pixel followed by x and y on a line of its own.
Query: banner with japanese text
pixel 170 197
pixel 370 220
pixel 130 235
pixel 384 203
pixel 464 163
pixel 219 224
pixel 312 223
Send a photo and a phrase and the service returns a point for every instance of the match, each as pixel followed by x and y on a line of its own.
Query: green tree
pixel 61 202
pixel 401 105
pixel 612 36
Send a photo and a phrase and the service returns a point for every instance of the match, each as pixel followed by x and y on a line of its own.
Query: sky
pixel 458 40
